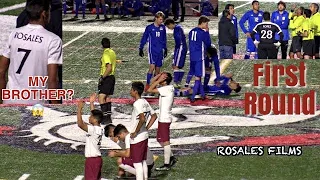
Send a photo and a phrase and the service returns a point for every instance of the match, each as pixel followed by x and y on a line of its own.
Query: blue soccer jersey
pixel 199 41
pixel 223 88
pixel 282 20
pixel 252 19
pixel 157 39
pixel 180 50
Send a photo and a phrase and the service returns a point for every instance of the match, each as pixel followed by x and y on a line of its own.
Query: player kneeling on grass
pixel 120 135
pixel 107 80
pixel 94 131
pixel 142 111
pixel 180 50
pixel 166 92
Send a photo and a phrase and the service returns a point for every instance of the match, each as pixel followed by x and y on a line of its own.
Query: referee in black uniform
pixel 54 26
pixel 267 46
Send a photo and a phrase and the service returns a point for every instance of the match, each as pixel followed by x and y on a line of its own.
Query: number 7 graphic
pixel 27 52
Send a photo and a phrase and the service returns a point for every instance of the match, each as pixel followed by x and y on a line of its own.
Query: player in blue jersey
pixel 103 7
pixel 281 18
pixel 115 5
pixel 155 35
pixel 207 8
pixel 180 50
pixel 83 8
pixel 64 6
pixel 211 58
pixel 253 17
pixel 224 85
pixel 160 5
pixel 199 42
pixel 132 7
pixel 234 21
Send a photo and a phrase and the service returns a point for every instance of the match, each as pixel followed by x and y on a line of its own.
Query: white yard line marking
pixel 13 7
pixel 220 14
pixel 223 66
pixel 73 40
pixel 24 177
pixel 79 178
pixel 118 29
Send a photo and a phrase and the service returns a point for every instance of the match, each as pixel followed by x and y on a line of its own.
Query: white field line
pixel 220 14
pixel 24 177
pixel 118 29
pixel 79 178
pixel 76 38
pixel 13 7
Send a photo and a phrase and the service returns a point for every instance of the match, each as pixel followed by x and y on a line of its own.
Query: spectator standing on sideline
pixel 227 36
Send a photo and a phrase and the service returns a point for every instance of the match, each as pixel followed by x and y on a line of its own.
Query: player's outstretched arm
pixel 119 153
pixel 152 120
pixel 92 99
pixel 80 122
pixel 4 65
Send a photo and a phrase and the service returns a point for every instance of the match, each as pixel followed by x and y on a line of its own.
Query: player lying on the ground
pixel 222 86
pixel 161 85
pixel 133 8
pixel 211 57
pixel 180 51
pixel 94 131
pixel 120 135
pixel 267 46
pixel 155 35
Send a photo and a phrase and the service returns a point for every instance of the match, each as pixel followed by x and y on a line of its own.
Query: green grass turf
pixel 264 6
pixel 14 12
pixel 6 3
pixel 15 162
pixel 10 116
pixel 82 65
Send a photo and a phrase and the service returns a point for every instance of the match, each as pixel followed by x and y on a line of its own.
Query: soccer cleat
pixel 173 161
pixel 97 17
pixel 165 167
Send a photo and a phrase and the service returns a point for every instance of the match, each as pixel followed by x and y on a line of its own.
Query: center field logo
pixel 59 130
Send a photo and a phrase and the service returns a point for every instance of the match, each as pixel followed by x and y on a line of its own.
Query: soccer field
pixel 53 147
pixel 242 7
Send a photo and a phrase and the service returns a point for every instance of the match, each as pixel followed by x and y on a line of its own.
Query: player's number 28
pixel 266 34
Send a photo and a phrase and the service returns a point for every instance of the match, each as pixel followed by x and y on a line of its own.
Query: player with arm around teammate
pixel 93 163
pixel 31 51
pixel 155 35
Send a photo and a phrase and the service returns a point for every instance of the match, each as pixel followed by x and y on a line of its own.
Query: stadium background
pixel 42 149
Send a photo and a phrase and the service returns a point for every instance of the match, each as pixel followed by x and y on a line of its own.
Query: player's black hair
pixel 283 4
pixel 35 8
pixel 316 5
pixel 119 129
pixel 254 2
pixel 105 42
pixel 97 114
pixel 169 21
pixel 169 78
pixel 238 89
pixel 107 129
pixel 203 19
pixel 301 9
pixel 307 12
pixel 228 6
pixel 212 51
pixel 225 13
pixel 138 86
pixel 266 16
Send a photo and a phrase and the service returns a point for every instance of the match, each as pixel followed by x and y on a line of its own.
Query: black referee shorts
pixel 308 47
pixel 317 44
pixel 107 85
pixel 296 44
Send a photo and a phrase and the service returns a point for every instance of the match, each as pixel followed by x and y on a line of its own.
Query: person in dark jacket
pixel 227 36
